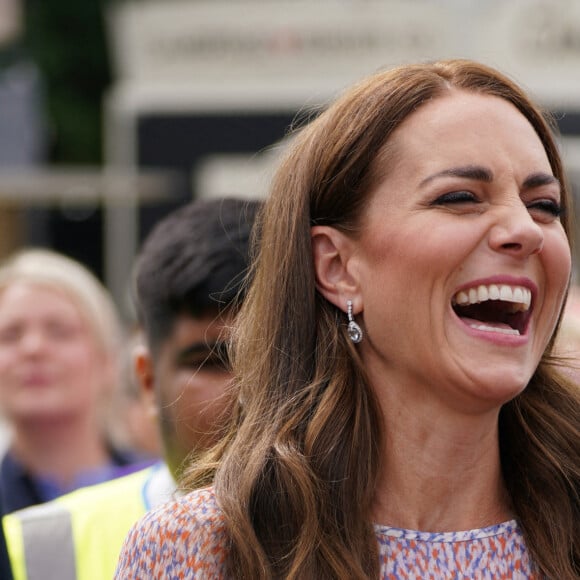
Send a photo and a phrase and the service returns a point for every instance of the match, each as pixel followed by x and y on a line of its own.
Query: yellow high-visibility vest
pixel 79 536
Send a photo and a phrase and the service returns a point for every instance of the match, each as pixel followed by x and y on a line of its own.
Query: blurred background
pixel 112 112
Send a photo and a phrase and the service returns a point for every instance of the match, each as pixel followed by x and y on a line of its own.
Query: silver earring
pixel 354 330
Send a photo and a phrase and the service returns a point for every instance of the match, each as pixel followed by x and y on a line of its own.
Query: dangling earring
pixel 354 330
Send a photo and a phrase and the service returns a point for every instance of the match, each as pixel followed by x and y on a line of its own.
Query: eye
pixel 213 359
pixel 214 362
pixel 455 198
pixel 10 334
pixel 546 210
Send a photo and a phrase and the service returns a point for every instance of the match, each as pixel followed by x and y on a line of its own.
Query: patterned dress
pixel 186 537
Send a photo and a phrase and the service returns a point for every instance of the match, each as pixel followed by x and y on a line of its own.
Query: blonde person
pixel 397 414
pixel 60 344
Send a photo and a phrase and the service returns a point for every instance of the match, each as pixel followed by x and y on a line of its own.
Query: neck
pixel 59 449
pixel 441 471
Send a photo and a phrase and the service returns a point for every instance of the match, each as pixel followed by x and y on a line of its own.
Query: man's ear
pixel 145 376
pixel 332 252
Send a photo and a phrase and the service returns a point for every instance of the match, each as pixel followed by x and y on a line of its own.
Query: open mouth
pixel 499 308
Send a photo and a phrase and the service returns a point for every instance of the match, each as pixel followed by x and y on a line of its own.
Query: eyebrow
pixel 539 179
pixel 479 173
pixel 475 172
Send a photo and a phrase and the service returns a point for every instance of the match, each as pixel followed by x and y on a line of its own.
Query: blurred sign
pixel 206 87
pixel 318 47
pixel 224 42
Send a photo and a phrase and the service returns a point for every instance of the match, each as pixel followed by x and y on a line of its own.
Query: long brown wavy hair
pixel 296 471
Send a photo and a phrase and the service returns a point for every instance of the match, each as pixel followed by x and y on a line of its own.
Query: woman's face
pixel 462 262
pixel 50 365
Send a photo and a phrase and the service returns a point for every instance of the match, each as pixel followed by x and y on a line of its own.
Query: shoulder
pixel 88 526
pixel 185 534
pixel 195 510
pixel 120 493
pixel 17 488
pixel 111 507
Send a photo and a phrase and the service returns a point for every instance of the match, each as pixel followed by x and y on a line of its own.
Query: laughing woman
pixel 399 413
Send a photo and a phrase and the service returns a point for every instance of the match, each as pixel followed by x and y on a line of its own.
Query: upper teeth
pixel 516 294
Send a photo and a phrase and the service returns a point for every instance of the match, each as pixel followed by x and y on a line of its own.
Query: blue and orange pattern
pixel 186 538
pixel 493 553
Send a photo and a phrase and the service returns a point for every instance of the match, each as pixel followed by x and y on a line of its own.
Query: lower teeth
pixel 512 331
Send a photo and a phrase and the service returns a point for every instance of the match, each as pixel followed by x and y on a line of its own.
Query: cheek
pixel 424 242
pixel 405 276
pixel 558 258
pixel 7 358
pixel 557 263
pixel 86 366
pixel 81 360
pixel 395 266
pixel 198 398
pixel 197 411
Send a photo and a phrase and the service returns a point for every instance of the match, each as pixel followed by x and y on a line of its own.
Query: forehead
pixel 464 128
pixel 205 328
pixel 37 296
pixel 467 116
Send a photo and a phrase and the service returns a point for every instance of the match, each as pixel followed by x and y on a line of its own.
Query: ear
pixel 335 280
pixel 145 375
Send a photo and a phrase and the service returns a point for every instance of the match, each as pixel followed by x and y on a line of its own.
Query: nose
pixel 516 233
pixel 32 342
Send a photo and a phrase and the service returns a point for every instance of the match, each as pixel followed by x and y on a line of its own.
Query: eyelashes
pixel 540 207
pixel 455 197
pixel 214 357
pixel 547 206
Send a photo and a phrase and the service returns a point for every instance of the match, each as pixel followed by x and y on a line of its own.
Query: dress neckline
pixel 508 527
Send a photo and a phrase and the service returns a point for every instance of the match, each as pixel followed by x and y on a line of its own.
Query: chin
pixel 503 389
pixel 495 386
pixel 42 413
